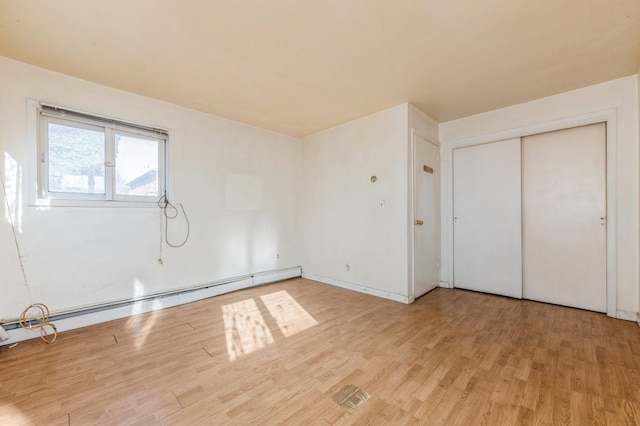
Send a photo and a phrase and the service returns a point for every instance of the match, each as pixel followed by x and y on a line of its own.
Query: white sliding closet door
pixel 487 251
pixel 564 217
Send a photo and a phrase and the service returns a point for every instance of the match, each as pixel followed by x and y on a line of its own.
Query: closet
pixel 530 217
pixel 487 229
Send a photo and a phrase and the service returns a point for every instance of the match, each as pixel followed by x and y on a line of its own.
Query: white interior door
pixel 487 252
pixel 564 217
pixel 426 178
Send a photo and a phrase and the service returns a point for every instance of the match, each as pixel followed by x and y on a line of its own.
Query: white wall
pixel 621 94
pixel 342 222
pixel 78 256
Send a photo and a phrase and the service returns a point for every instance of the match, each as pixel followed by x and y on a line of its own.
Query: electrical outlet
pixel 278 256
pixel 347 267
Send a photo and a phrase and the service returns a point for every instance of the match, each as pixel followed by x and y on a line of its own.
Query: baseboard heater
pixel 94 314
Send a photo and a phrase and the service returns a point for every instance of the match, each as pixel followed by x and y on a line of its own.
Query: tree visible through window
pixel 76 159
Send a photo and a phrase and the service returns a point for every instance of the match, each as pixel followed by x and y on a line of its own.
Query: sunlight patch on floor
pixel 288 314
pixel 245 329
pixel 10 415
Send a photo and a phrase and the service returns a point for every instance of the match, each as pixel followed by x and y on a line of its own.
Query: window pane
pixel 136 166
pixel 76 159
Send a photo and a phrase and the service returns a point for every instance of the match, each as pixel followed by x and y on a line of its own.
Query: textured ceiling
pixel 297 67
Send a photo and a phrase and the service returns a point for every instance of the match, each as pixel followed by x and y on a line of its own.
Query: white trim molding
pixel 609 117
pixel 359 288
pixel 627 315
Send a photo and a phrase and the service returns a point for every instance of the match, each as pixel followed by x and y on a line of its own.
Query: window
pixel 84 157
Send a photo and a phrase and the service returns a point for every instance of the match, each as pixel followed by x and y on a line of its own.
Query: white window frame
pixel 47 114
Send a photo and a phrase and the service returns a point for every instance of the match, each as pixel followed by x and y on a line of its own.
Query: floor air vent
pixel 350 396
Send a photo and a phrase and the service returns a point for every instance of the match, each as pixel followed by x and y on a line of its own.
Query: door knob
pixel 419 222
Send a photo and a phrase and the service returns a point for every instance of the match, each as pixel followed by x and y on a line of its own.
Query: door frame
pixel 607 116
pixel 412 213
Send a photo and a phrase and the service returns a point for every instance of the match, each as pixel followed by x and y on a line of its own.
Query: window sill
pixel 53 202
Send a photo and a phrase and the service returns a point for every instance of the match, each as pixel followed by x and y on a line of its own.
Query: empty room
pixel 319 212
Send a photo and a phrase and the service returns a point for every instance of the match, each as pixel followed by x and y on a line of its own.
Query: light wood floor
pixel 452 357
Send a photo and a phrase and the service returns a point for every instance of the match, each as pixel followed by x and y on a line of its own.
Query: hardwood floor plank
pixel 452 357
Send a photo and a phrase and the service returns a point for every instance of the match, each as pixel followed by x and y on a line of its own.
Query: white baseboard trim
pixel 161 302
pixel 627 315
pixel 445 284
pixel 638 318
pixel 359 288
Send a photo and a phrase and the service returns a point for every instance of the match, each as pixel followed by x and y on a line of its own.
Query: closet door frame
pixel 606 116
